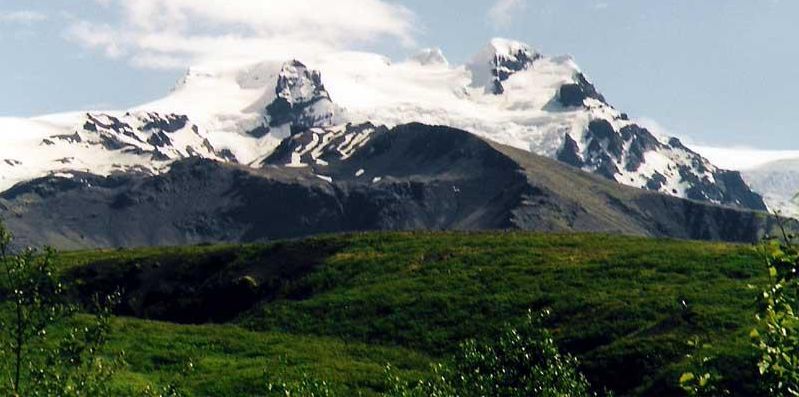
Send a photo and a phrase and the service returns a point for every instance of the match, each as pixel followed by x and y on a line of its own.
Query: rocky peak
pixel 297 84
pixel 161 137
pixel 499 60
pixel 301 99
pixel 574 94
pixel 630 154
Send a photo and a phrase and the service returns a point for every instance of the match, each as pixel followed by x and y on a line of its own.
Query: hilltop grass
pixel 70 260
pixel 229 361
pixel 625 306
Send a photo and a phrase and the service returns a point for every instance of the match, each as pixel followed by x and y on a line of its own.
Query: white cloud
pixel 743 158
pixel 176 33
pixel 23 17
pixel 502 12
pixel 102 37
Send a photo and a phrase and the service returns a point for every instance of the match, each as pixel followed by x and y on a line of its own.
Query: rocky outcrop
pixel 575 94
pixel 625 155
pixel 322 146
pixel 500 60
pixel 301 99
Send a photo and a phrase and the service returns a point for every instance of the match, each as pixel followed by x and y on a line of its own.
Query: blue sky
pixel 718 72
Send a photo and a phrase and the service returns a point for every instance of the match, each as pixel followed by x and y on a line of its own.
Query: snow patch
pixel 325 178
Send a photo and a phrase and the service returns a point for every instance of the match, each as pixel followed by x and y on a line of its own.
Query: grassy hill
pixel 230 361
pixel 340 307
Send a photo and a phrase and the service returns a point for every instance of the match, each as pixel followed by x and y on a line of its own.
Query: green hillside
pixel 230 361
pixel 341 307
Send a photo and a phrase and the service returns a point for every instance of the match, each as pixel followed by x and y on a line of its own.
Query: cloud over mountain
pixel 502 12
pixel 176 33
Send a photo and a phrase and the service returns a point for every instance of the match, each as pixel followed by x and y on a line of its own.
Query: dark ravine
pixel 213 288
pixel 412 177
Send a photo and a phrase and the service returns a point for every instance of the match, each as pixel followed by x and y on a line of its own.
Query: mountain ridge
pixel 508 93
pixel 447 179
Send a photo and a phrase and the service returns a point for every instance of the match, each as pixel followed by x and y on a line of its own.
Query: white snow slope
pixel 508 93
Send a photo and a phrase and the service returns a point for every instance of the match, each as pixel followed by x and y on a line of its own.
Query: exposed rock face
pixel 727 186
pixel 322 146
pixel 575 94
pixel 506 64
pixel 570 152
pixel 498 61
pixel 149 133
pixel 412 177
pixel 625 155
pixel 302 100
pixel 640 141
pixel 605 148
pixel 168 123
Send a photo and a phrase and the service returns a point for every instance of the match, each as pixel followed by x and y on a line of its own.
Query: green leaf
pixel 686 377
pixel 704 379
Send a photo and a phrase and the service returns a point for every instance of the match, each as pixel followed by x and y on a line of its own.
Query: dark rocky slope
pixel 412 177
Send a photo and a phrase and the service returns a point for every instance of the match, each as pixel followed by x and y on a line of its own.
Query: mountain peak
pixel 509 93
pixel 511 48
pixel 296 83
pixel 301 100
pixel 499 60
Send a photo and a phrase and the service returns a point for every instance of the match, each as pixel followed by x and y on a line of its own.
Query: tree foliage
pixel 777 336
pixel 703 380
pixel 522 361
pixel 33 304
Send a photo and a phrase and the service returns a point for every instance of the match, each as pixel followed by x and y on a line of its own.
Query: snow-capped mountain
pixel 772 173
pixel 298 113
pixel 778 181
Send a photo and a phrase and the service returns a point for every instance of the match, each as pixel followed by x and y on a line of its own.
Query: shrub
pixel 32 305
pixel 777 337
pixel 523 361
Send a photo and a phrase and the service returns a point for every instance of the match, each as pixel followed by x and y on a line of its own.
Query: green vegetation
pixel 339 308
pixel 226 360
pixel 521 362
pixel 32 306
pixel 777 340
pixel 776 336
pixel 625 306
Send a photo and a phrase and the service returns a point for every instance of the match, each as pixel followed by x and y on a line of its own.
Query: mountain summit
pixel 509 93
pixel 498 61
